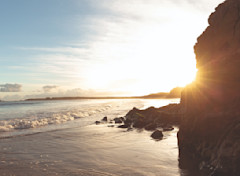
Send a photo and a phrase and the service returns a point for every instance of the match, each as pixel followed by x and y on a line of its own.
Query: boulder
pixel 105 119
pixel 118 120
pixel 157 135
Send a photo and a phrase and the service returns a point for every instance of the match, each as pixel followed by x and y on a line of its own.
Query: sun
pixel 143 76
pixel 155 58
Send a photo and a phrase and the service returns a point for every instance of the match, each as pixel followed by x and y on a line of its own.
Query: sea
pixel 60 137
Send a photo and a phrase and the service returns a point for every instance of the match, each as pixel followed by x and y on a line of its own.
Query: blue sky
pixel 98 47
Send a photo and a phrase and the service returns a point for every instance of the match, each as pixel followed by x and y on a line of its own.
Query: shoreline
pixel 90 150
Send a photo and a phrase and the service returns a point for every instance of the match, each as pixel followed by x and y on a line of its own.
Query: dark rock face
pixel 210 128
pixel 217 55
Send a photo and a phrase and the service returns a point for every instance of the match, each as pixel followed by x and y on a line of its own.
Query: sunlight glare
pixel 153 57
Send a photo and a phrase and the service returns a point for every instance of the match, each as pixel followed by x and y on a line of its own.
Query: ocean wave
pixel 47 118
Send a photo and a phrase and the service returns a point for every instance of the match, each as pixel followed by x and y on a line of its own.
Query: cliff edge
pixel 210 127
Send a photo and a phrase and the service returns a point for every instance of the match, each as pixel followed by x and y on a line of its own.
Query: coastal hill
pixel 174 93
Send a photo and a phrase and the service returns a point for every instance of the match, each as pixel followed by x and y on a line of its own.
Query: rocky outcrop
pixel 153 118
pixel 210 127
pixel 217 54
pixel 149 119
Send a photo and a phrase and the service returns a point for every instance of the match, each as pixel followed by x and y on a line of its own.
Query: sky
pixel 98 47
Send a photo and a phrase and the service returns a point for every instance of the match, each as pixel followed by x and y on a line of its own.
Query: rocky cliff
pixel 210 128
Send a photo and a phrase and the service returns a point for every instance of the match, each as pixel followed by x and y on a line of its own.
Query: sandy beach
pixel 90 150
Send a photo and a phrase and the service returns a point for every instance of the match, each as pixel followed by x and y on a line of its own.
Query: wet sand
pixel 90 150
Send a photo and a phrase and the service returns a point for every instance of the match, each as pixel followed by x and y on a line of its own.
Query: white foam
pixel 49 118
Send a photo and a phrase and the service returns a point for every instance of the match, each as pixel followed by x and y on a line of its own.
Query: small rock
pixel 111 126
pixel 123 126
pixel 97 122
pixel 111 121
pixel 157 135
pixel 118 119
pixel 104 119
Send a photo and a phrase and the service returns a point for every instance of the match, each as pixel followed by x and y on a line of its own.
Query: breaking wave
pixel 34 120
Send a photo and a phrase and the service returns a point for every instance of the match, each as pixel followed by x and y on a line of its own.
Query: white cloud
pixel 48 88
pixel 10 87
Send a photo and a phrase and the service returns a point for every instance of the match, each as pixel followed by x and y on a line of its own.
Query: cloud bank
pixel 10 87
